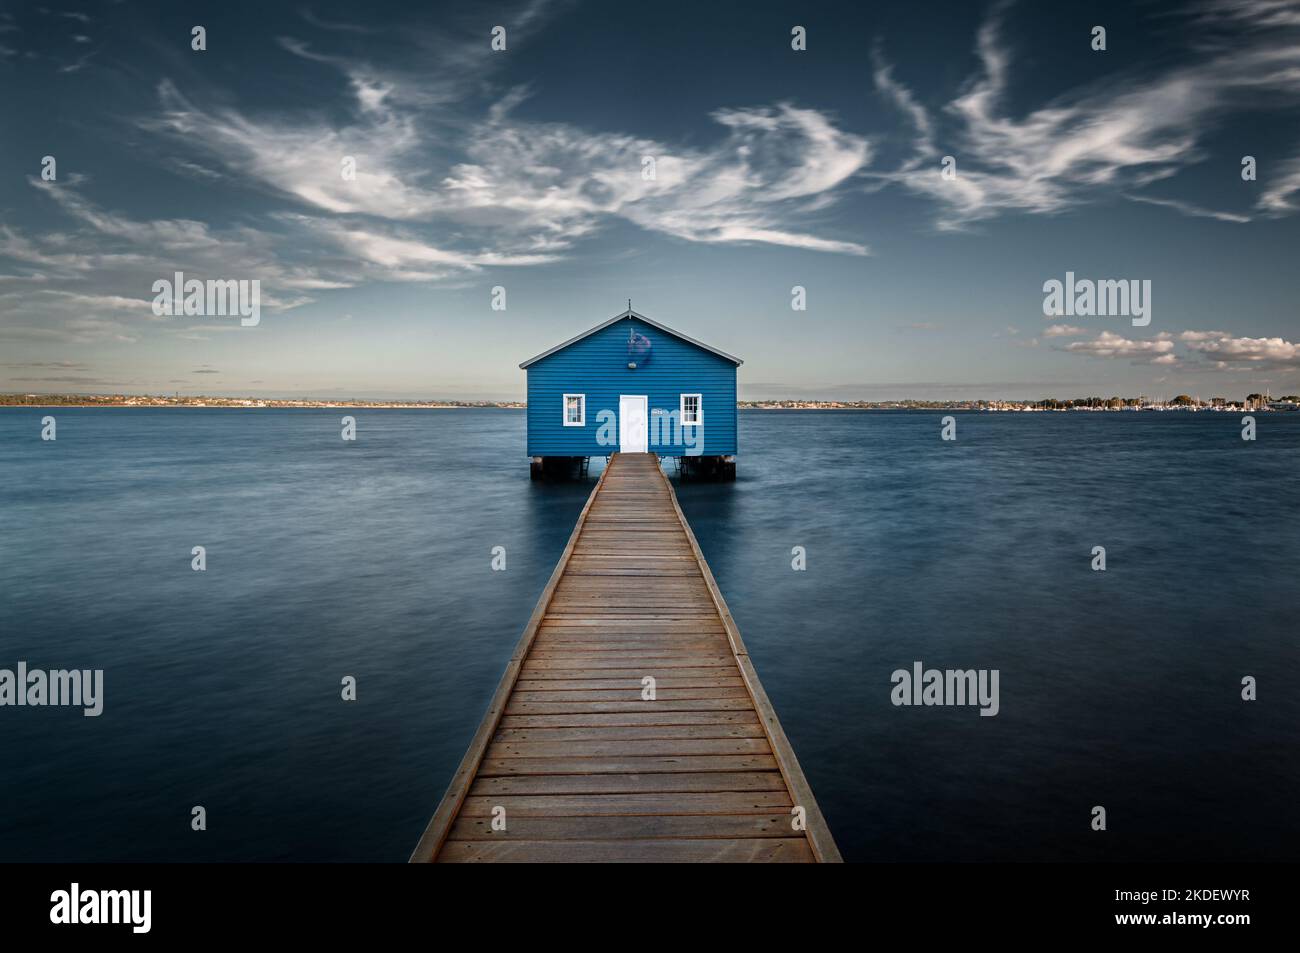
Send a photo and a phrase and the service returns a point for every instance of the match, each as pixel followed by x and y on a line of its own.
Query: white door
pixel 632 425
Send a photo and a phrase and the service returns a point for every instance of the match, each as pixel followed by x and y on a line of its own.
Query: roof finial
pixel 629 304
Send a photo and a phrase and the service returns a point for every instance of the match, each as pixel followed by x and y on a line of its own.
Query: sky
pixel 920 171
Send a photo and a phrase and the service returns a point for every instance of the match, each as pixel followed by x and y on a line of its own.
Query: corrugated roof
pixel 625 316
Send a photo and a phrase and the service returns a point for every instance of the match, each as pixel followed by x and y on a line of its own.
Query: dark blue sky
pixel 773 168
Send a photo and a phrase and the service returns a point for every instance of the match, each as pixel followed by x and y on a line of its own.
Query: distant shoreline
pixel 1253 402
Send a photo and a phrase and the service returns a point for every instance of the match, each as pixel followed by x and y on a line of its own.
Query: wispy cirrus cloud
pixel 1281 194
pixel 304 160
pixel 1191 209
pixel 106 265
pixel 448 182
pixel 528 185
pixel 456 173
pixel 171 233
pixel 428 151
pixel 1117 137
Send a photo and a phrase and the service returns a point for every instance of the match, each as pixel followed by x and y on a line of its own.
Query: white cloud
pixel 305 160
pixel 1191 209
pixel 903 100
pixel 399 252
pixel 106 268
pixel 1220 349
pixel 1108 344
pixel 1254 14
pixel 530 186
pixel 1226 349
pixel 1121 133
pixel 98 302
pixel 1280 187
pixel 169 233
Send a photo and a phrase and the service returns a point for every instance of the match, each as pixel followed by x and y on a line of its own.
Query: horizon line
pixel 8 398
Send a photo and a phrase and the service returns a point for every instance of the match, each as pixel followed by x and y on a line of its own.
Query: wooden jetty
pixel 584 767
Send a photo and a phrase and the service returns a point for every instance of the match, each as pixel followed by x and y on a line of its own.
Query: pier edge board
pixel 817 831
pixel 435 834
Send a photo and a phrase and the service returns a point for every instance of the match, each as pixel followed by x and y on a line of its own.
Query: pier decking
pixel 584 767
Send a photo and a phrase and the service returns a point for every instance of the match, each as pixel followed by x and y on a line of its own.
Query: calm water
pixel 371 559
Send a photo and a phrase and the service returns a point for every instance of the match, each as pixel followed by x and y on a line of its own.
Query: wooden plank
pixel 627 647
pixel 710 625
pixel 582 658
pixel 665 532
pixel 595 805
pixel 624 546
pixel 630 680
pixel 745 716
pixel 645 597
pixel 657 604
pixel 671 612
pixel 624 636
pixel 631 764
pixel 629 732
pixel 631 826
pixel 682 587
pixel 630 747
pixel 648 573
pixel 614 707
pixel 607 584
pixel 631 629
pixel 629 694
pixel 683 563
pixel 598 665
pixel 741 850
pixel 701 782
pixel 576 640
pixel 552 650
pixel 622 625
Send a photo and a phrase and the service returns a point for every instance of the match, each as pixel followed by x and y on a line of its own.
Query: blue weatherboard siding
pixel 597 366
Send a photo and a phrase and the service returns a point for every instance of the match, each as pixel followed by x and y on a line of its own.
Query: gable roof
pixel 627 316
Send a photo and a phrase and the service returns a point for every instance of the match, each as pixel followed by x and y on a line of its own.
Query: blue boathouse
pixel 632 385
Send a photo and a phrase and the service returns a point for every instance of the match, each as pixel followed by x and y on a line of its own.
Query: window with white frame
pixel 575 410
pixel 692 410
